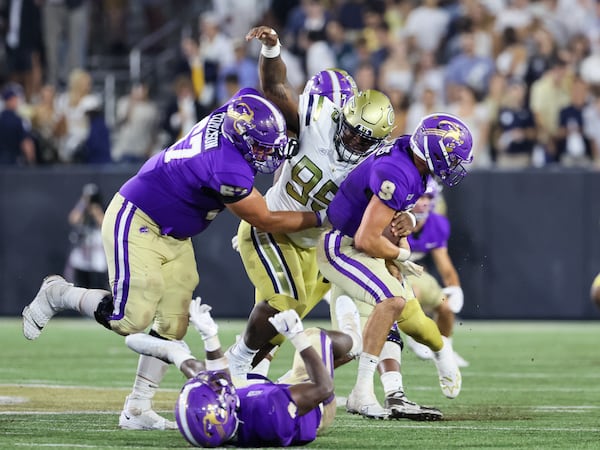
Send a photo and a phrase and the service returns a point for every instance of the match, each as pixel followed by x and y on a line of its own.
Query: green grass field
pixel 529 385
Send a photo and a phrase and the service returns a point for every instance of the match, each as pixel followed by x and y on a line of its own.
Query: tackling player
pixel 353 254
pixel 211 411
pixel 282 266
pixel 148 227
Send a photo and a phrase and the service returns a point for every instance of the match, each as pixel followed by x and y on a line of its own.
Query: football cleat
pixel 448 371
pixel 37 314
pixel 162 349
pixel 137 414
pixel 366 405
pixel 402 408
pixel 238 366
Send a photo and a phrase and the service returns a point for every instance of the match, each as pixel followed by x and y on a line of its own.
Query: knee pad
pixel 421 328
pixel 394 337
pixel 104 311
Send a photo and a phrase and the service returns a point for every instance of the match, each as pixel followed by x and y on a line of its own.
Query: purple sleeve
pixel 391 189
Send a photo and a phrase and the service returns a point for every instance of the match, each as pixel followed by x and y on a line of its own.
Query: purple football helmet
pixel 445 143
pixel 206 409
pixel 335 84
pixel 257 128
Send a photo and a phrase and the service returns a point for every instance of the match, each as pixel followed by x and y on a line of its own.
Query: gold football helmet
pixel 366 120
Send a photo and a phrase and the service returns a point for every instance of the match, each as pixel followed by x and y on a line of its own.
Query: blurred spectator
pixel 95 149
pixel 542 52
pixel 238 16
pixel 343 50
pixel 548 95
pixel 137 121
pixel 309 15
pixel 86 265
pixel 115 12
pixel 66 26
pixel 216 51
pixel 16 145
pixel 475 115
pixel 396 71
pixel 46 126
pixel 350 15
pixel 428 75
pixel 573 147
pixel 365 77
pixel 516 15
pixel 231 84
pixel 468 69
pixel 512 59
pixel 591 121
pixel 400 102
pixel 24 45
pixel 425 26
pixel 183 110
pixel 428 103
pixel 493 100
pixel 516 129
pixel 70 107
pixel 244 67
pixel 318 54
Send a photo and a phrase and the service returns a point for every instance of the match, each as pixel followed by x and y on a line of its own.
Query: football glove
pixel 234 243
pixel 409 268
pixel 456 298
pixel 288 324
pixel 202 320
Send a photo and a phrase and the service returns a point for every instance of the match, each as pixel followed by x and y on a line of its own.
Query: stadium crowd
pixel 523 74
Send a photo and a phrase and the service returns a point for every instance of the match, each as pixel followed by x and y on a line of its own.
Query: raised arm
pixel 307 396
pixel 273 75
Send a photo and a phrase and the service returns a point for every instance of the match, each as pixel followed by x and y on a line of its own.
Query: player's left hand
pixel 403 223
pixel 409 268
pixel 202 320
pixel 456 298
pixel 287 323
pixel 267 35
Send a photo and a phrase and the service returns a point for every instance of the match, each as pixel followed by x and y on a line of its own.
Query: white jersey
pixel 309 180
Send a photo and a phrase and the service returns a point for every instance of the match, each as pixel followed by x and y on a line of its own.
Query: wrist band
pixel 212 343
pixel 271 51
pixel 300 342
pixel 403 254
pixel 216 364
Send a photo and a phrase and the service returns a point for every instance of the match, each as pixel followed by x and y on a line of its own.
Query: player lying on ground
pixel 211 411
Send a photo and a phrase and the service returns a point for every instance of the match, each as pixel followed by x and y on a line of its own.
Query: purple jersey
pixel 389 173
pixel 268 417
pixel 434 234
pixel 186 185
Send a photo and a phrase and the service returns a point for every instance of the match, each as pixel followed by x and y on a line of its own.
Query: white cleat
pixel 448 371
pixel 137 414
pixel 37 314
pixel 421 351
pixel 159 348
pixel 366 405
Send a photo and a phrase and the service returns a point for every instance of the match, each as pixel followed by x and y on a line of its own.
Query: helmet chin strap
pixel 424 157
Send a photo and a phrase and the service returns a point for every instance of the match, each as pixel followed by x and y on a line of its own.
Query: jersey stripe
pixel 274 263
pixel 121 249
pixel 307 117
pixel 353 269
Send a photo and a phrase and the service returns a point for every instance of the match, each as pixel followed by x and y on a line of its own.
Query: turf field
pixel 529 385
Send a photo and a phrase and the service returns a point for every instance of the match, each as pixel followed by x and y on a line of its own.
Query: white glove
pixel 409 268
pixel 234 243
pixel 456 298
pixel 202 320
pixel 288 324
